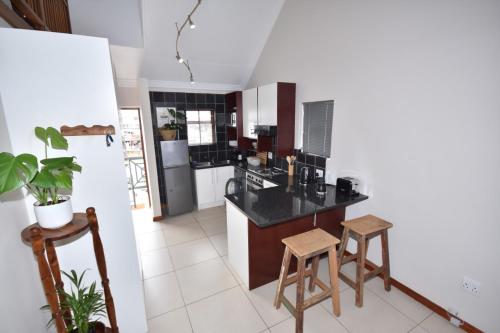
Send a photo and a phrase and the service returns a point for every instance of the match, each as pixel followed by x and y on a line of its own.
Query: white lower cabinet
pixel 237 242
pixel 210 185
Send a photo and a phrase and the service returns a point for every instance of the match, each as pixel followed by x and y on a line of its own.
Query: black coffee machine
pixel 320 186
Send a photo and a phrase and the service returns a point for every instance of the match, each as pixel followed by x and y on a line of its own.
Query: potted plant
pixel 169 131
pixel 82 306
pixel 46 181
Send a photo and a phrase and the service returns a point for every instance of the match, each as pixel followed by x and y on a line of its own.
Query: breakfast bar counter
pixel 257 221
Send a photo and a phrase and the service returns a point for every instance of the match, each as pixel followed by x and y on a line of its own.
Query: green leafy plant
pixel 85 304
pixel 174 124
pixel 44 183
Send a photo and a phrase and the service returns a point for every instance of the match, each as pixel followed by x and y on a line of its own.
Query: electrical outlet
pixel 270 155
pixel 471 285
pixel 319 172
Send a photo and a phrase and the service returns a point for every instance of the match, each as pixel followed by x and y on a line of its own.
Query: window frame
pixel 199 122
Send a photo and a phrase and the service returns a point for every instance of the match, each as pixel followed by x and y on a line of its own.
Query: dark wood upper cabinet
pixel 285 136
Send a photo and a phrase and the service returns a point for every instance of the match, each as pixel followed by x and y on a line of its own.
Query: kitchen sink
pixel 203 164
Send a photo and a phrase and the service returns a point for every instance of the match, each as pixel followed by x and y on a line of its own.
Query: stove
pixel 255 176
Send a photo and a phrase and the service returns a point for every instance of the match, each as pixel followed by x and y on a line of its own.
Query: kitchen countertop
pixel 287 201
pixel 241 165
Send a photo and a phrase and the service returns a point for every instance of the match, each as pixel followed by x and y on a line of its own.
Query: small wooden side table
pixel 42 240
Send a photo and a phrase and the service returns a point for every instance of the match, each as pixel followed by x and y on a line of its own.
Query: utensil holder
pixel 290 169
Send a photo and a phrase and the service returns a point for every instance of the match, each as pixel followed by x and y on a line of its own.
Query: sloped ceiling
pixel 222 50
pixel 118 20
pixel 224 47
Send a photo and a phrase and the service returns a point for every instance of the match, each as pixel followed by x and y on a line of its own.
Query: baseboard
pixel 157 218
pixel 211 205
pixel 425 301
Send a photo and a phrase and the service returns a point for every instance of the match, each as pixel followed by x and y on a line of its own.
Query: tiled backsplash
pixel 311 161
pixel 190 101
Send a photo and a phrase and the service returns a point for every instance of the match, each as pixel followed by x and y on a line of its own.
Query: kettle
pixel 305 176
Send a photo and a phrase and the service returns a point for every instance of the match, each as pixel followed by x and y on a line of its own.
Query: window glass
pixel 200 127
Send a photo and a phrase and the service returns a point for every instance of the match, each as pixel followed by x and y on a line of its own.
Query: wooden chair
pixel 307 245
pixel 362 230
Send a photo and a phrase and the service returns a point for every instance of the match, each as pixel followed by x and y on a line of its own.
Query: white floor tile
pixel 399 300
pixel 192 252
pixel 219 241
pixel 418 329
pixel 176 321
pixel 152 241
pixel 182 232
pixel 437 324
pixel 179 219
pixel 204 279
pixel 376 316
pixel 227 312
pixel 263 298
pixel 228 265
pixel 214 225
pixel 162 294
pixel 210 212
pixel 316 320
pixel 324 273
pixel 156 262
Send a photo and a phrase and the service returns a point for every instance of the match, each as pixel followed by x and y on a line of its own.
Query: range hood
pixel 265 130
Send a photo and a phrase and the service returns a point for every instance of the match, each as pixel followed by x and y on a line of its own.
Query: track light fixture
pixel 191 23
pixel 179 31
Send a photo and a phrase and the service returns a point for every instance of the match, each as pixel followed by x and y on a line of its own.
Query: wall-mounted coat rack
pixel 84 130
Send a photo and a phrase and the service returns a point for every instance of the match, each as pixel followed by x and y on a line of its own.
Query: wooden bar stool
pixel 362 230
pixel 307 245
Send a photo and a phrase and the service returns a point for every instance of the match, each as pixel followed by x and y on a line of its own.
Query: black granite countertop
pixel 288 201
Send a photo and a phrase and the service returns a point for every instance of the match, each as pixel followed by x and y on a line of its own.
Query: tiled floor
pixel 190 287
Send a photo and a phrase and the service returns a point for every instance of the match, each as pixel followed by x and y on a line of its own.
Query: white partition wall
pixel 52 79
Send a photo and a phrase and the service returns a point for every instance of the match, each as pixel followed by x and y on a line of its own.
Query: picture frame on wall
pixel 165 115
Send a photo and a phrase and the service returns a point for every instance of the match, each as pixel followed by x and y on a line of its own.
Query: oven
pixel 254 181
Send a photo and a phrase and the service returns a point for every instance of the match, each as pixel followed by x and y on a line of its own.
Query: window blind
pixel 318 122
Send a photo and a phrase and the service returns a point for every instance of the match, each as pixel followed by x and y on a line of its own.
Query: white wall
pixel 128 97
pixel 70 82
pixel 20 286
pixel 416 86
pixel 149 146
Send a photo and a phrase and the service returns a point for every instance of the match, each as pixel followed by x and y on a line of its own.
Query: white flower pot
pixel 54 216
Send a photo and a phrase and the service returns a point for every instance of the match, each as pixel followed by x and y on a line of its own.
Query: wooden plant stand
pixel 42 240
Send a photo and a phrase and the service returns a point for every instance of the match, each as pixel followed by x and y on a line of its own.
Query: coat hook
pixel 109 139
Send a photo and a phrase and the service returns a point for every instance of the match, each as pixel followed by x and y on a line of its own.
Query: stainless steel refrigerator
pixel 177 173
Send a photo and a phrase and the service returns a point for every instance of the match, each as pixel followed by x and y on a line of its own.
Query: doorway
pixel 135 164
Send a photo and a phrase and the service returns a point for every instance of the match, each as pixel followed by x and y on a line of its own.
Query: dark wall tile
pixel 191 101
pixel 169 97
pixel 310 159
pixel 157 97
pixel 210 98
pixel 201 98
pixel 180 97
pixel 320 162
pixel 219 108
